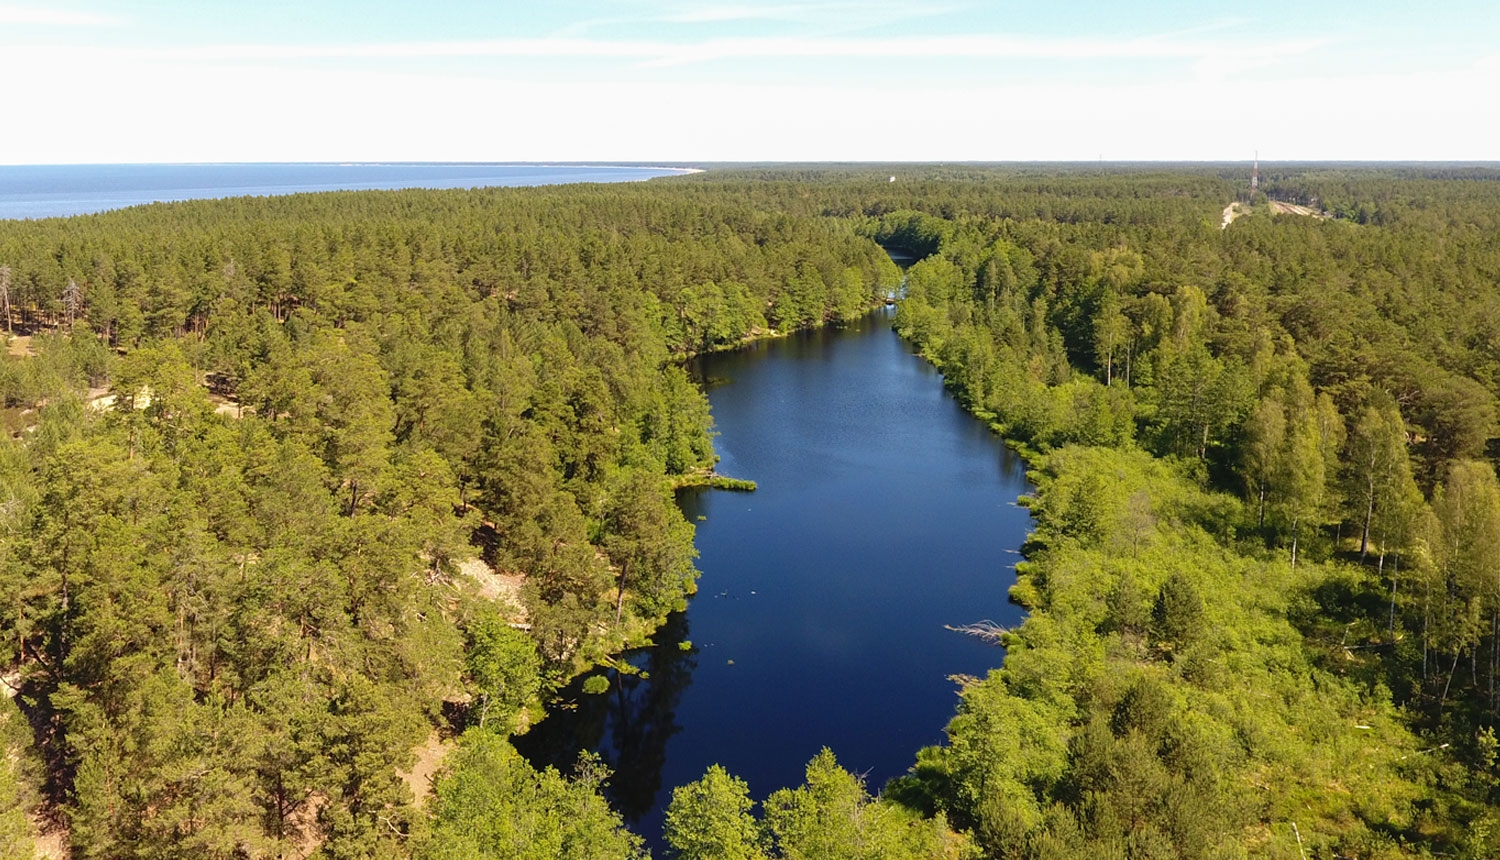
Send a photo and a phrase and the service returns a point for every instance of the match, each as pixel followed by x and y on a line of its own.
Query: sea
pixel 55 191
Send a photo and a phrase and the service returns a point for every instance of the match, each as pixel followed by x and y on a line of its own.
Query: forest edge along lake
pixel 884 512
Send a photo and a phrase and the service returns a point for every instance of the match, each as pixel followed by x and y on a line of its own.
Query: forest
pixel 292 487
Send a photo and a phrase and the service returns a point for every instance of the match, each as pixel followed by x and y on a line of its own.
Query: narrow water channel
pixel 884 512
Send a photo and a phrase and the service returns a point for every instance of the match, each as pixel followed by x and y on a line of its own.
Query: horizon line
pixel 690 164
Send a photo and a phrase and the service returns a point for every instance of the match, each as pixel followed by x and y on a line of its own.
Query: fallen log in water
pixel 987 630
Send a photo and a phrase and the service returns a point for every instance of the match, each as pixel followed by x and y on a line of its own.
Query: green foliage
pixel 1461 597
pixel 710 819
pixel 17 772
pixel 650 543
pixel 1089 742
pixel 829 817
pixel 492 805
pixel 1177 615
pixel 1083 517
pixel 1127 612
pixel 1005 753
pixel 716 481
pixel 1379 491
pixel 504 666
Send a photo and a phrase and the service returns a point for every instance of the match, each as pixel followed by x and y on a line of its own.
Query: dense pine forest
pixel 294 491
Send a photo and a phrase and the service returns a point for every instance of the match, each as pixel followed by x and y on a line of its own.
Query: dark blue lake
pixel 48 191
pixel 884 512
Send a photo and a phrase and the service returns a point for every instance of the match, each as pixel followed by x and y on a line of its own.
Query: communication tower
pixel 1255 173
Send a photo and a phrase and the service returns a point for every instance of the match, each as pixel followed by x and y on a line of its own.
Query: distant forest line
pixel 1265 571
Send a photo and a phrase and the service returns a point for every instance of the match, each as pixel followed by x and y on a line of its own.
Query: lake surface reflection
pixel 884 512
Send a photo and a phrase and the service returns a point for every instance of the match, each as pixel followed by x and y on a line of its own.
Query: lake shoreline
pixel 823 561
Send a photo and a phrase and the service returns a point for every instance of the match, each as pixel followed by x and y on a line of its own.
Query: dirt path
pixel 1231 212
pixel 1293 209
pixel 430 757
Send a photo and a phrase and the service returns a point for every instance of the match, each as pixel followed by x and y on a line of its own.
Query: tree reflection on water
pixel 628 726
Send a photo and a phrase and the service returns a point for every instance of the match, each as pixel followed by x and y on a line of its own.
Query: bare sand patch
pixel 1293 209
pixel 1231 212
pixel 430 757
pixel 50 841
pixel 496 586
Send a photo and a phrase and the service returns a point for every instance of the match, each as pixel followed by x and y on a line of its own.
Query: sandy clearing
pixel 1293 209
pixel 1231 212
pixel 430 757
pixel 51 844
pixel 228 406
pixel 496 586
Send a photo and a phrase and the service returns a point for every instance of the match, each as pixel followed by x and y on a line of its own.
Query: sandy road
pixel 1231 212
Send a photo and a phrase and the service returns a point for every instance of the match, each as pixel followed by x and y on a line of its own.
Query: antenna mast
pixel 1255 173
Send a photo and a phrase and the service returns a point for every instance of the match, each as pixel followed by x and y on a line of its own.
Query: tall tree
pixel 1467 550
pixel 710 819
pixel 1260 453
pixel 1111 330
pixel 1378 469
pixel 650 543
pixel 5 298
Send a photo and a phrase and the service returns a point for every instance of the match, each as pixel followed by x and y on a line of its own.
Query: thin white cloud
pixel 662 53
pixel 973 47
pixel 842 13
pixel 11 14
pixel 834 16
pixel 716 14
pixel 1210 27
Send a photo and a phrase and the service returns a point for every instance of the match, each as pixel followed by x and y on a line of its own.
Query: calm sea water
pixel 884 512
pixel 47 191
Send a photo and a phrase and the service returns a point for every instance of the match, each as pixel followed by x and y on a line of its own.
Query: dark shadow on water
pixel 638 713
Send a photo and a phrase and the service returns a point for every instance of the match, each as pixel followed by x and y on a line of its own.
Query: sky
pixel 678 82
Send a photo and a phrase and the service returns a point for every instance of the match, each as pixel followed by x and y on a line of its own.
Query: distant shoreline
pixel 68 190
pixel 592 165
